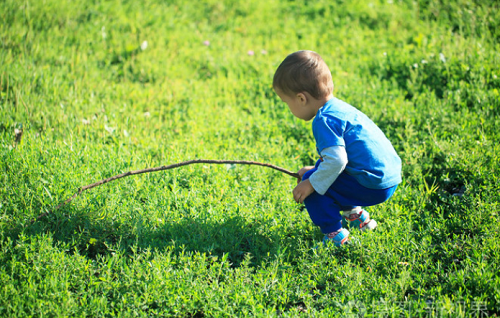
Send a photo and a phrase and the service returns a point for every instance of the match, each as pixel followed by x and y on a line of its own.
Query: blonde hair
pixel 303 71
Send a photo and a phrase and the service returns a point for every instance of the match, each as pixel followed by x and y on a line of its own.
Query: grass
pixel 101 88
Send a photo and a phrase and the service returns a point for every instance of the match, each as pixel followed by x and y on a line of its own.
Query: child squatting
pixel 358 165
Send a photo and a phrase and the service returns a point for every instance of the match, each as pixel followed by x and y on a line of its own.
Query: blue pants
pixel 344 194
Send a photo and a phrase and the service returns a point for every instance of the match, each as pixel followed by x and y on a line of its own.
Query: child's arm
pixel 334 162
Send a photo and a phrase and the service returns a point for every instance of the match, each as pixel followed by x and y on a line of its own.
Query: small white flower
pixel 85 121
pixel 424 62
pixel 385 53
pixel 415 65
pixel 126 133
pixel 442 57
pixel 147 114
pixel 144 45
pixel 250 52
pixel 109 129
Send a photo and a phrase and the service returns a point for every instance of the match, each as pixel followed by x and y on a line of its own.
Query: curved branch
pixel 175 165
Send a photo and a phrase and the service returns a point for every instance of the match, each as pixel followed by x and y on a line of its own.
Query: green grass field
pixel 103 87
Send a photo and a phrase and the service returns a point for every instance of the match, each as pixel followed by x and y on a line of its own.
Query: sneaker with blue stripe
pixel 338 238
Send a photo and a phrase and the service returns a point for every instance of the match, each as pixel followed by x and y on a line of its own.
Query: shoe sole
pixel 344 241
pixel 372 224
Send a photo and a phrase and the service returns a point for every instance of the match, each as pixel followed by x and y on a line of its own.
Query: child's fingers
pixel 298 196
pixel 297 199
pixel 301 173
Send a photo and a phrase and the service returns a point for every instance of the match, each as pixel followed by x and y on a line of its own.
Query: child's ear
pixel 302 97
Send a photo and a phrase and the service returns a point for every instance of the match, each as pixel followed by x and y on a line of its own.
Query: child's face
pixel 298 105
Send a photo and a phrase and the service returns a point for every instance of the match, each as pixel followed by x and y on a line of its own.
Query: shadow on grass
pixel 82 231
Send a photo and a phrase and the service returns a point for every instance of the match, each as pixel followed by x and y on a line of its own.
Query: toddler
pixel 358 165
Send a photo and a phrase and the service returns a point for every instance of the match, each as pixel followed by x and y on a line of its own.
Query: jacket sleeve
pixel 334 162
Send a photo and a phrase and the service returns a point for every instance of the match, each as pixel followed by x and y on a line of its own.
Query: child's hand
pixel 302 191
pixel 303 171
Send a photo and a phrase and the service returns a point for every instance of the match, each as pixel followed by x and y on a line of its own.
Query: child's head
pixel 303 71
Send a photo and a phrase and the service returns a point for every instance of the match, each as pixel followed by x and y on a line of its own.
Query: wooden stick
pixel 175 165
